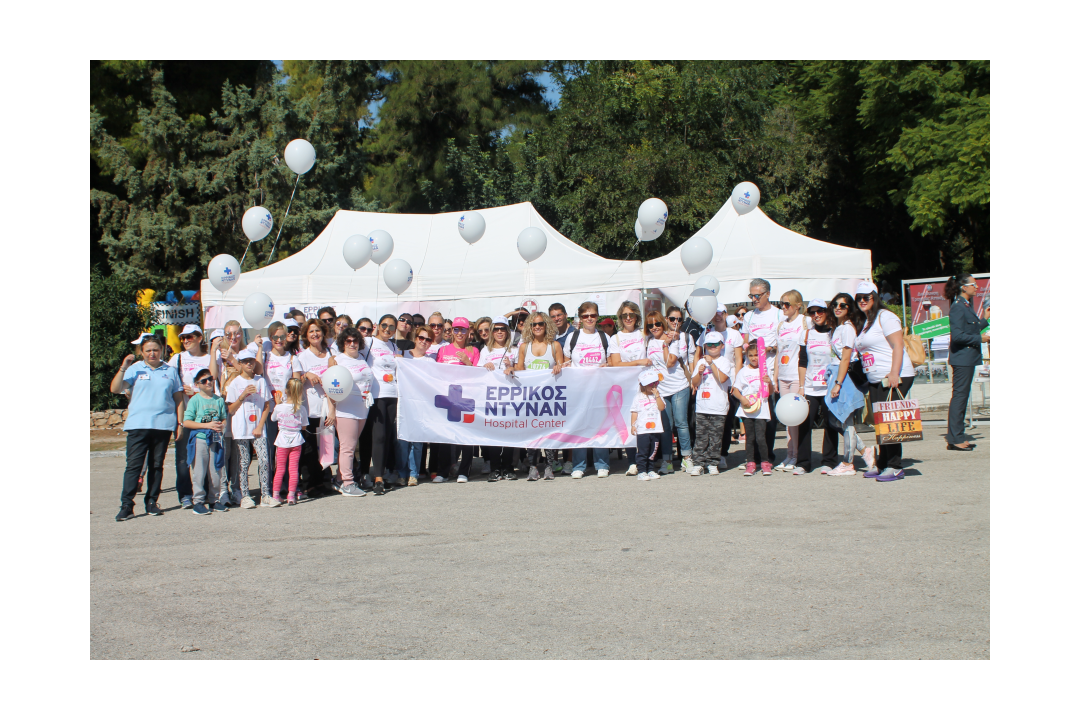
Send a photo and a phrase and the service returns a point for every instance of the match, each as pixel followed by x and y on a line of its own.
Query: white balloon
pixel 531 243
pixel 337 383
pixel 471 226
pixel 709 283
pixel 745 197
pixel 398 275
pixel 357 251
pixel 300 156
pixel 652 214
pixel 257 223
pixel 382 246
pixel 792 409
pixel 643 236
pixel 223 272
pixel 258 310
pixel 696 254
pixel 702 305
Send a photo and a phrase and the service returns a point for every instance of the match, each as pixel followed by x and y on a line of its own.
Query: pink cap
pixel 461 322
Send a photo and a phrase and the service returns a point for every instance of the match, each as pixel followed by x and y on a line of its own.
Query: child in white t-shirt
pixel 291 417
pixel 646 424
pixel 250 402
pixel 754 410
pixel 711 382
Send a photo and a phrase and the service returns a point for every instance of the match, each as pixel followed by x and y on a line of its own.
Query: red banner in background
pixel 927 300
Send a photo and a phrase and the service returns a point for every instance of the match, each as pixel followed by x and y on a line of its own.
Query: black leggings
pixel 501 458
pixel 890 455
pixel 729 425
pixel 383 417
pixel 806 431
pixel 311 470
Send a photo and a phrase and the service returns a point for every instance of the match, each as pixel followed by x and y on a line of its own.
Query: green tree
pixel 115 320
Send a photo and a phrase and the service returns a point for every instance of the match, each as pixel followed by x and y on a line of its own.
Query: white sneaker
pixel 602 473
pixel 643 476
pixel 653 475
pixel 485 468
pixel 462 478
pixel 798 471
pixel 438 478
pixel 713 470
pixel 632 470
pixel 247 503
pixel 842 469
pixel 687 464
pixel 577 475
pixel 723 463
pixel 824 469
pixel 695 470
pixel 742 465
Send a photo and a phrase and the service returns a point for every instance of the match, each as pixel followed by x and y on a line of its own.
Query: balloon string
pixel 458 285
pixel 281 227
pixel 244 256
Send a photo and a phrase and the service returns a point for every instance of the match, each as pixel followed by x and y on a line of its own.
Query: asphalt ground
pixel 704 567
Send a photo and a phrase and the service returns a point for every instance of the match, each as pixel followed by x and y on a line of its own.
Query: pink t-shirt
pixel 449 354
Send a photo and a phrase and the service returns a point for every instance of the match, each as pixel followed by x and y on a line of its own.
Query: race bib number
pixel 818 380
pixel 867 361
pixel 538 364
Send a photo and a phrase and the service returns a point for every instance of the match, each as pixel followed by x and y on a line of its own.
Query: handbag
pixel 897 421
pixel 916 351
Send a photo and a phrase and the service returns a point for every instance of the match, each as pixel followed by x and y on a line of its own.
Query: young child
pixel 205 416
pixel 250 402
pixel 711 381
pixel 291 416
pixel 747 389
pixel 645 422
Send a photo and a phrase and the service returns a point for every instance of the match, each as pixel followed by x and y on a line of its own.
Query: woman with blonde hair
pixel 541 351
pixel 790 335
pixel 435 322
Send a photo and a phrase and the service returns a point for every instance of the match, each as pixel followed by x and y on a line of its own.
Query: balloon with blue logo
pixel 258 310
pixel 643 236
pixel 398 275
pixel 652 214
pixel 223 272
pixel 531 243
pixel 382 246
pixel 709 283
pixel 792 409
pixel 696 254
pixel 471 226
pixel 337 383
pixel 745 197
pixel 357 251
pixel 702 305
pixel 300 156
pixel 257 223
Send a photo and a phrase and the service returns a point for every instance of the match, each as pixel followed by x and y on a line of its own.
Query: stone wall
pixel 108 419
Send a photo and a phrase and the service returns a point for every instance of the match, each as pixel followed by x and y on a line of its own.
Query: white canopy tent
pixel 753 246
pixel 449 275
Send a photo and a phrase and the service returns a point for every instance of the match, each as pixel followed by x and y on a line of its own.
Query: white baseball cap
pixel 502 321
pixel 714 337
pixel 865 288
pixel 217 333
pixel 817 302
pixel 648 376
pixel 191 330
pixel 289 322
pixel 138 340
pixel 721 308
pixel 245 354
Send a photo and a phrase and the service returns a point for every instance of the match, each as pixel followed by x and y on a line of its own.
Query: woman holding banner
pixel 588 347
pixel 540 352
pixel 965 353
pixel 498 356
pixel 383 411
pixel 458 352
pixel 888 369
pixel 309 367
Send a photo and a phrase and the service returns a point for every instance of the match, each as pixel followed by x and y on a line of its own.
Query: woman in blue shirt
pixel 155 413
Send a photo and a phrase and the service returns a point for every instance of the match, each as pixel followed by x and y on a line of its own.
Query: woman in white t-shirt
pixel 498 356
pixel 628 345
pixel 842 340
pixel 277 370
pixel 383 412
pixel 786 369
pixel 309 366
pixel 541 351
pixel 188 363
pixel 815 356
pixel 668 349
pixel 350 414
pixel 888 369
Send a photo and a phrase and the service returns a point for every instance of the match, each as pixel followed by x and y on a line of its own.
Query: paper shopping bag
pixel 897 421
pixel 326 446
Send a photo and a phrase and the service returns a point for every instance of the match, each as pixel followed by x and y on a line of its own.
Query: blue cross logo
pixel 228 271
pixel 454 404
pixel 335 383
pixel 746 194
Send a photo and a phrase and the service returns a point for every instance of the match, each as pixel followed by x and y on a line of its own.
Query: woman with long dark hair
pixel 815 354
pixel 309 367
pixel 383 412
pixel 888 369
pixel 844 364
pixel 965 352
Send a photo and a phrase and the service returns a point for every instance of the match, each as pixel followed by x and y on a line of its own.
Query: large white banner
pixel 578 408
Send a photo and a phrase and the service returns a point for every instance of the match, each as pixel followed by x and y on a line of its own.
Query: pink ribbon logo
pixel 614 418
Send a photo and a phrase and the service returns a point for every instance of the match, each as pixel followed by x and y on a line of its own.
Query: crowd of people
pixel 225 403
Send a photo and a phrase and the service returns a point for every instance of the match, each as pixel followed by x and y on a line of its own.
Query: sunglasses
pixel 841 306
pixel 386 326
pixel 291 331
pixel 712 345
pixel 740 315
pixel 863 298
pixel 277 338
pixel 627 316
pixel 650 326
pixel 501 329
pixel 816 311
pixel 755 296
pixel 459 331
pixel 204 381
pixel 185 338
pixel 786 304
pixel 589 316
pixel 539 324
pixel 674 318
pixel 234 334
pixel 423 338
pixel 364 329
pixel 436 326
pixel 405 320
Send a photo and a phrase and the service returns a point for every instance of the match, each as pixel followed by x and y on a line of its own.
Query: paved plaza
pixel 722 567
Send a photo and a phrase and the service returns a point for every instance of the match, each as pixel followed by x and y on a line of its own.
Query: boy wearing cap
pixel 250 402
pixel 646 424
pixel 711 382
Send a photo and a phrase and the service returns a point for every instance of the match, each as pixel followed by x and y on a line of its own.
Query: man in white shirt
pixel 763 321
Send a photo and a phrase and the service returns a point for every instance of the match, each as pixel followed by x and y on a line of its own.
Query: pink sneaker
pixel 842 469
pixel 766 468
pixel 751 468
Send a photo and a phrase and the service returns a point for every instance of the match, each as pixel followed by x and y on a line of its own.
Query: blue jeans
pixel 675 407
pixel 409 454
pixel 600 457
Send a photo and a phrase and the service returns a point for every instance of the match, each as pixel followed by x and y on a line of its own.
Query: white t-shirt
pixel 289 424
pixel 732 340
pixel 790 338
pixel 819 356
pixel 712 397
pixel 844 337
pixel 629 345
pixel 499 357
pixel 544 361
pixel 875 351
pixel 648 414
pixel 384 367
pixel 748 382
pixel 435 346
pixel 763 324
pixel 355 406
pixel 247 415
pixel 672 379
pixel 409 356
pixel 278 369
pixel 188 365
pixel 309 362
pixel 588 352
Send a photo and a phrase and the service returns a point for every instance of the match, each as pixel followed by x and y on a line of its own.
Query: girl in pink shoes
pixel 753 396
pixel 291 417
